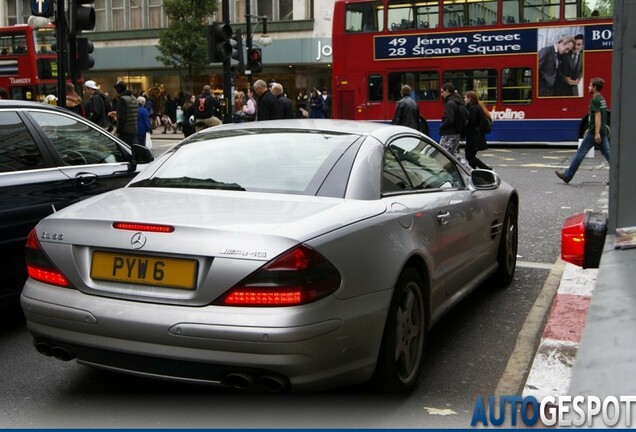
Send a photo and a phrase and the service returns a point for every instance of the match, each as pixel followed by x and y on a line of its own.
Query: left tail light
pixel 39 266
pixel 299 276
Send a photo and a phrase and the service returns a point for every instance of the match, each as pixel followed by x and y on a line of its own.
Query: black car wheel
pixel 400 359
pixel 507 254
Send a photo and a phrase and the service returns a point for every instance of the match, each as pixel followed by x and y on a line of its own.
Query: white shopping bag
pixel 149 141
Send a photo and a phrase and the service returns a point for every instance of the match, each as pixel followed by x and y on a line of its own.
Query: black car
pixel 51 158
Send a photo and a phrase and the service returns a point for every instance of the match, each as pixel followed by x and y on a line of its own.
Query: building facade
pixel 127 32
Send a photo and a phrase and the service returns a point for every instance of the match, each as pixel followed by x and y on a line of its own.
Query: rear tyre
pixel 400 359
pixel 507 254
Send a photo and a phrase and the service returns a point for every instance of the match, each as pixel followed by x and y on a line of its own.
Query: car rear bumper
pixel 325 344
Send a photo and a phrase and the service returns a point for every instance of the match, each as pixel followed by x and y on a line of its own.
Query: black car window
pixel 76 142
pixel 425 165
pixel 18 152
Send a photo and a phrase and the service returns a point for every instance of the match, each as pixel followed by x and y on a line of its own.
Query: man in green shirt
pixel 596 131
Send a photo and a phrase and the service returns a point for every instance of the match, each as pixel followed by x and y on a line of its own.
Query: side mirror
pixel 484 179
pixel 583 238
pixel 140 155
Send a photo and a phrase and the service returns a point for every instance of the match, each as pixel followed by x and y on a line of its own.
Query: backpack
pixel 461 117
pixel 485 124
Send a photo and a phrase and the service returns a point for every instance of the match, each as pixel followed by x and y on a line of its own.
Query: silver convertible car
pixel 281 255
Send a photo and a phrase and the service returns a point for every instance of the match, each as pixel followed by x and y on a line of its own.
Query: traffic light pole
pixel 248 38
pixel 61 30
pixel 227 72
pixel 72 66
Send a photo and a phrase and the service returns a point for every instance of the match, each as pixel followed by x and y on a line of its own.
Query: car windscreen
pixel 288 161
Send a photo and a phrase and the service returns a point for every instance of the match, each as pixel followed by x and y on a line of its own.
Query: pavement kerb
pixel 513 379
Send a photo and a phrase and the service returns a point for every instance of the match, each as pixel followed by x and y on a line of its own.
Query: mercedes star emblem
pixel 138 240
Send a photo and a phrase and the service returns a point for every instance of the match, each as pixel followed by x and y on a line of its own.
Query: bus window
pixel 575 9
pixel 529 11
pixel 364 17
pixel 512 12
pixel 462 13
pixel 43 38
pixel 481 81
pixel 401 15
pixel 19 44
pixel 6 45
pixel 47 68
pixel 424 85
pixel 406 15
pixel 427 14
pixel 375 87
pixel 516 87
pixel 546 10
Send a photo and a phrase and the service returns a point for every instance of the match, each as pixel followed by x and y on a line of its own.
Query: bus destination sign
pixel 494 42
pixel 456 44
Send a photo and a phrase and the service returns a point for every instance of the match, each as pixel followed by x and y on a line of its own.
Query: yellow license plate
pixel 144 270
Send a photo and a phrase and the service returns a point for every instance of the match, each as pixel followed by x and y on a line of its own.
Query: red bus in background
pixel 502 49
pixel 28 65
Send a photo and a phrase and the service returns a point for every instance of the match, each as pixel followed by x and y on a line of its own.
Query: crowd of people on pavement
pixel 133 116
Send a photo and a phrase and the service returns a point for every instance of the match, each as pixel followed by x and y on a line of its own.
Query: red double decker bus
pixel 516 54
pixel 28 65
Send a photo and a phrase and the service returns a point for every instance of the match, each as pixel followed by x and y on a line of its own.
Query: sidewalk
pixel 555 358
pixel 157 135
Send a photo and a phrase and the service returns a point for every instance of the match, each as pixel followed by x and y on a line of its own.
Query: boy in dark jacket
pixel 450 129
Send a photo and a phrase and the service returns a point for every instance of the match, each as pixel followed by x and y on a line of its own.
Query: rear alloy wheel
pixel 400 359
pixel 507 254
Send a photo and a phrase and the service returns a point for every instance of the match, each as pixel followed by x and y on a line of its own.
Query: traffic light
pixel 81 17
pixel 219 45
pixel 237 50
pixel 254 60
pixel 85 60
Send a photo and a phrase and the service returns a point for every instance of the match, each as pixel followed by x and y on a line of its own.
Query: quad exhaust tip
pixel 247 381
pixel 235 380
pixel 57 351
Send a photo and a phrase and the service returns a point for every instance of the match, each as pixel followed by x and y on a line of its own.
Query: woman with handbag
pixel 475 137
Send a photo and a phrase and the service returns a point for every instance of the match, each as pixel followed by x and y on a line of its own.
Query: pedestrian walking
pixel 285 103
pixel 453 119
pixel 597 130
pixel 302 110
pixel 74 101
pixel 95 107
pixel 237 108
pixel 407 113
pixel 249 109
pixel 126 114
pixel 316 105
pixel 143 121
pixel 326 103
pixel 474 132
pixel 207 110
pixel 188 112
pixel 268 107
